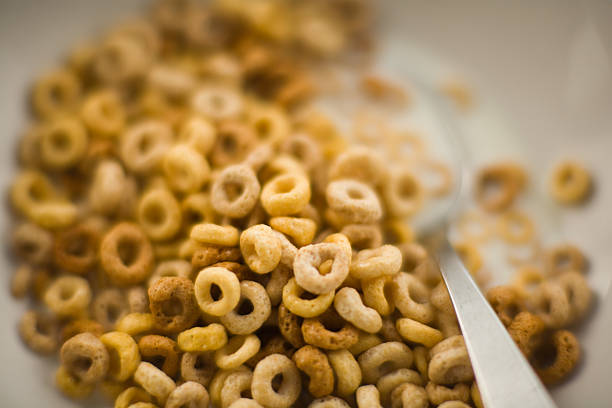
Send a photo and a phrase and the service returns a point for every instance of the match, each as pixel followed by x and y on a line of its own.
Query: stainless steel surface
pixel 505 378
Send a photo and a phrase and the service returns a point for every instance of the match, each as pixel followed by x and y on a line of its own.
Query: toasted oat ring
pixel 439 394
pixel 571 182
pixel 578 293
pixel 346 370
pixel 382 359
pixel 237 323
pixel 204 256
pixel 266 370
pixel 81 326
pixel 564 258
pixel 506 302
pixel 409 395
pixel 198 367
pixel 33 244
pixel 228 285
pixel 310 257
pixel 305 307
pixel 525 279
pixel 289 326
pixel 354 200
pixel 235 191
pixel 234 386
pixel 39 331
pixel 450 362
pixel 367 396
pixel 189 394
pixel 154 347
pixel 237 351
pixel 388 382
pixel 516 227
pixel 404 194
pixel 418 332
pixel 526 330
pixel 68 296
pixel 85 357
pixel 378 294
pixel 286 194
pixel 172 303
pixel 411 298
pixel 315 332
pixel 278 279
pixel 126 254
pixel 75 250
pixel 508 179
pixel 350 306
pixel 373 263
pixel 363 236
pixel 261 248
pixel 154 381
pixel 316 365
pixel 552 304
pixel 567 354
pixel 108 307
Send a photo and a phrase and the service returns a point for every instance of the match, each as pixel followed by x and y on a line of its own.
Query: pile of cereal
pixel 190 235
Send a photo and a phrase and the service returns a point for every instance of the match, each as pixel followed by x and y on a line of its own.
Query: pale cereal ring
pixel 108 307
pixel 85 357
pixel 68 296
pixel 245 319
pixel 367 396
pixel 448 324
pixel 450 362
pixel 205 255
pixel 329 402
pixel 350 307
pixel 421 361
pixel 570 182
pixel 438 176
pixel 305 307
pixel 216 384
pixel 551 304
pixel 185 168
pixel 403 193
pixel 172 303
pixel 567 353
pixel 131 396
pixel 565 257
pixel 245 403
pixel 286 194
pixel 261 248
pixel 388 331
pixel 378 294
pixel 63 143
pixel 388 382
pixel 454 404
pixel 217 102
pixel 365 341
pixel 170 81
pixel 234 386
pixel 103 113
pixel 354 200
pixel 346 370
pixel 417 332
pixel 506 302
pixel 233 143
pixel 154 348
pixel 138 300
pixel 373 263
pixel 359 163
pixel 237 351
pixel 81 326
pixel 411 298
pixel 154 381
pixel 262 389
pixel 439 394
pixel 213 234
pixel 578 293
pixel 473 226
pixel 198 133
pixel 300 230
pixel 159 214
pixel 136 323
pixel 235 191
pixel 440 298
pixel 55 93
pixel 516 227
pixel 310 257
pixel 39 331
pixel 410 396
pixel 363 236
pixel 70 386
pixel 526 280
pixel 382 359
pixel 228 286
pixel 176 267
pixel 304 149
pixel 32 243
pixel 198 367
pixel 315 364
pixel 315 331
pixel 189 394
pixel 144 144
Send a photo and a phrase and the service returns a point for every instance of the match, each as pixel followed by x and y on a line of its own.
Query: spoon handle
pixel 505 378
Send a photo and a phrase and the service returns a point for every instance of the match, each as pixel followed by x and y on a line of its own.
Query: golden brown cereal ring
pixel 234 141
pixel 470 256
pixel 171 81
pixel 123 353
pixel 439 394
pixel 126 254
pixel 235 384
pixel 315 332
pixel 245 403
pixel 289 326
pixel 55 93
pixel 354 200
pixel 21 281
pixel 310 257
pixel 367 396
pixel 526 330
pixel 198 133
pixel 564 258
pixel 497 185
pixel 159 214
pixel 567 353
pixel 33 243
pixel 411 298
pixel 228 286
pixel 388 382
pixel 305 307
pixel 281 164
pixel 68 296
pixel 279 277
pixel 261 248
pixel 154 349
pixel 108 307
pixel 235 191
pixel 197 208
pixel 85 357
pixel 177 267
pixel 120 59
pixel 304 149
pixel 244 319
pixel 440 298
pixel 417 332
pixel 63 143
pixel 450 362
pixel 315 364
pixel 172 303
pixel 75 250
pixel 373 263
pixel 570 183
pixel 388 331
pixel 300 230
pixel 191 394
pixel 329 402
pixel 346 370
pixel 217 102
pixel 81 326
pixel 103 113
pixel 350 307
pixel 516 227
pixel 578 293
pixel 365 341
pixel 506 302
pixel 208 255
pixel 403 193
pixel 136 323
pixel 378 294
pixel 382 359
pixel 359 163
pixel 213 234
pixel 40 282
pixel 138 300
pixel 409 395
pixel 144 144
pixel 551 303
pixel 70 386
pixel 286 194
pixel 265 371
pixel 237 351
pixel 39 332
pixel 363 236
pixel 154 381
pixel 129 396
pixel 454 404
pixel 198 367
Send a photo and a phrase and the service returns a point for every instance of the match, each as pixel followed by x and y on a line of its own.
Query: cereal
pixel 266 371
pixel 315 364
pixel 450 362
pixel 21 281
pixel 516 227
pixel 359 163
pixel 178 268
pixel 237 351
pixel 439 394
pixel 39 332
pixel 144 144
pixel 245 321
pixel 300 230
pixel 417 332
pixel 567 353
pixel 204 256
pixel 570 182
pixel 378 294
pixel 68 296
pixel 234 386
pixel 189 394
pixel 350 307
pixel 368 396
pixel 551 303
pixel 578 293
pixel 285 194
pixel 63 143
pixel 409 395
pixel 279 277
pixel 154 381
pixel 498 185
pixel 70 385
pixel 354 200
pixel 81 326
pixel 154 348
pixel 131 396
pixel 506 302
pixel 316 332
pixel 75 249
pixel 85 357
pixel 261 248
pixel 213 234
pixel 136 323
pixel 411 298
pixel 565 257
pixel 373 263
pixel 103 114
pixel 382 359
pixel 388 382
pixel 235 191
pixel 33 243
pixel 305 307
pixel 403 193
pixel 526 330
pixel 159 214
pixel 346 370
pixel 228 285
pixel 310 257
pixel 108 307
pixel 123 353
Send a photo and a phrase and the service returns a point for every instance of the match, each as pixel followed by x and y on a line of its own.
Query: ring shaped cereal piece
pixel 563 258
pixel 123 353
pixel 213 234
pixel 278 279
pixel 304 149
pixel 516 227
pixel 85 357
pixel 189 394
pixel 234 385
pixel 310 257
pixel 204 256
pixel 359 163
pixel 289 326
pixel 126 254
pixel 242 320
pixel 269 368
pixel 350 307
pixel 70 386
pixel 438 175
pixel 55 93
pixel 136 323
pixel 261 248
pixel 388 382
pixel 552 304
pixel 198 133
pixel 154 381
pixel 382 359
pixel 63 143
pixel 269 122
pixel 281 164
pixel 570 183
pixel 388 331
pixel 411 297
pixel 363 236
pixel 367 396
pixel 410 396
pixel 198 367
pixel 81 326
pixel 364 342
pixel 373 263
pixel 578 293
pixel 235 191
pixel 526 279
pixel 526 330
pixel 33 244
pixel 440 298
pixel 237 351
pixel 130 396
pixel 347 371
pixel 300 230
pixel 315 332
pixel 439 394
pixel 288 250
pixel 159 214
pixel 197 208
pixel 259 157
pixel 54 214
pixel 417 332
pixel 234 141
pixel 245 403
pixel 172 82
pixel 228 285
pixel 473 226
pixel 498 185
pixel 177 268
pixel 120 59
pixel 305 307
pixel 354 200
pixel 107 192
pixel 109 306
pixel 421 361
pixel 31 188
pixel 75 250
pixel 315 364
pixel 172 303
pixel 103 114
pixel 506 302
pixel 39 331
pixel 470 256
pixel 155 348
pixel 450 362
pixel 567 353
pixel 144 144
pixel 185 169
pixel 217 102
pixel 378 294
pixel 68 296
pixel 21 281
pixel 286 194
pixel 403 193
pixel 454 404
pixel 329 402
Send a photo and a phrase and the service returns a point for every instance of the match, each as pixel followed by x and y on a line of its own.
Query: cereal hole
pixel 233 190
pixel 172 307
pixel 60 140
pixel 277 382
pixel 154 214
pixel 215 292
pixel 245 307
pixel 128 251
pixel 82 364
pixel 285 186
pixel 355 194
